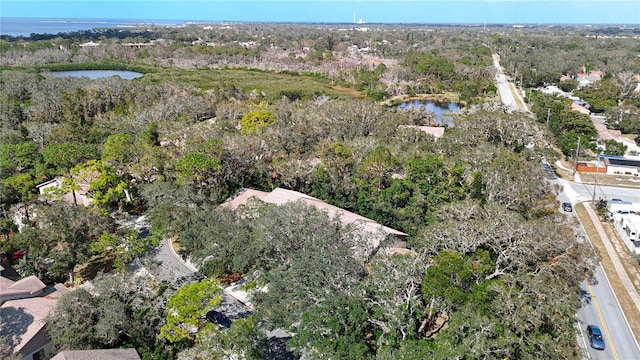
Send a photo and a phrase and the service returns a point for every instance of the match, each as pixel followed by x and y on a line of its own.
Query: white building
pixel 628 227
pixel 622 166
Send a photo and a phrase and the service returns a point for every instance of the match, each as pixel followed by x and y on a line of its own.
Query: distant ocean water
pixel 27 26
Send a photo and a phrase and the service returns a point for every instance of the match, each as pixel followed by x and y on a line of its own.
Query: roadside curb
pixel 620 270
pixel 175 254
pixel 190 266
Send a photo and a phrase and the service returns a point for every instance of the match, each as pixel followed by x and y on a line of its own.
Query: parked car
pixel 13 256
pixel 567 207
pixel 595 337
pixel 219 318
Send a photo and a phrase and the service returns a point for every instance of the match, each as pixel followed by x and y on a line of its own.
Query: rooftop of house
pixel 281 196
pixel 25 317
pixel 435 131
pixel 27 287
pixel 100 354
pixel 580 108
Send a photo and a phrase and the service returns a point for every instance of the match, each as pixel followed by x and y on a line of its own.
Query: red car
pixel 16 255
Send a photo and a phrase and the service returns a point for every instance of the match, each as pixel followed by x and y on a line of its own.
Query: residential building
pixel 77 197
pixel 25 305
pixel 281 196
pixel 585 78
pixel 98 354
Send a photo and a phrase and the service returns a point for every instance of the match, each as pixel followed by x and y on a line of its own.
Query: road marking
pixel 604 325
pixel 584 342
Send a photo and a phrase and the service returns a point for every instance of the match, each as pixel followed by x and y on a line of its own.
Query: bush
pixel 255 119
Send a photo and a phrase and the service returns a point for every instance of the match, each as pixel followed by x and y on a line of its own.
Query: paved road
pixel 172 267
pixel 503 86
pixel 578 192
pixel 601 308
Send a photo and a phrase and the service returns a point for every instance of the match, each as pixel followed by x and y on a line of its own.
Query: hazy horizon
pixel 616 12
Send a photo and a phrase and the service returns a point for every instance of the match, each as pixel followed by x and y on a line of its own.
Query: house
pixel 580 108
pixel 585 78
pixel 77 197
pixel 435 131
pixel 622 166
pixel 98 354
pixel 89 44
pixel 281 196
pixel 24 288
pixel 25 305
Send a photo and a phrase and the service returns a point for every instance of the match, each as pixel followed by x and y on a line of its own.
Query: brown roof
pixel 242 197
pixel 27 316
pixel 26 287
pixel 281 196
pixel 100 354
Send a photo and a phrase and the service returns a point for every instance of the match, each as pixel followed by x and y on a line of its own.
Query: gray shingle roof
pixel 100 354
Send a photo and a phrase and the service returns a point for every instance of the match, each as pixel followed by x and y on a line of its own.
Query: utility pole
pixel 595 184
pixel 575 158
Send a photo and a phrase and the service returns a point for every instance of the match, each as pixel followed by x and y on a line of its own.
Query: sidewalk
pixel 613 255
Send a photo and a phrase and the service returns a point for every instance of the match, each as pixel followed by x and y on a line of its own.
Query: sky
pixel 337 11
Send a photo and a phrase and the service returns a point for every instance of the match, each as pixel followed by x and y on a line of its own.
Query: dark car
pixel 567 207
pixel 219 318
pixel 595 337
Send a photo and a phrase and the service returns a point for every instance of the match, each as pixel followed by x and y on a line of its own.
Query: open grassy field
pixel 272 85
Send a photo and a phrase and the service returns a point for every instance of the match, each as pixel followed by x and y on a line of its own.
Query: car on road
pixel 219 318
pixel 567 207
pixel 595 337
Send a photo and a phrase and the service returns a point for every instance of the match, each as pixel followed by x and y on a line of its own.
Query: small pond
pixel 95 74
pixel 441 110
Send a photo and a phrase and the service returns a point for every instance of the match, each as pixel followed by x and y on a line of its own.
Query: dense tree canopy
pixel 490 273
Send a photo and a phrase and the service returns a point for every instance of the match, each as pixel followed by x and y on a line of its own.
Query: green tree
pixel 376 169
pixel 477 187
pixel 119 151
pixel 601 95
pixel 338 328
pixel 120 311
pixel 124 248
pixel 199 170
pixel 62 157
pixel 186 310
pixel 105 186
pixel 568 85
pixel 18 158
pixel 612 147
pixel 61 238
